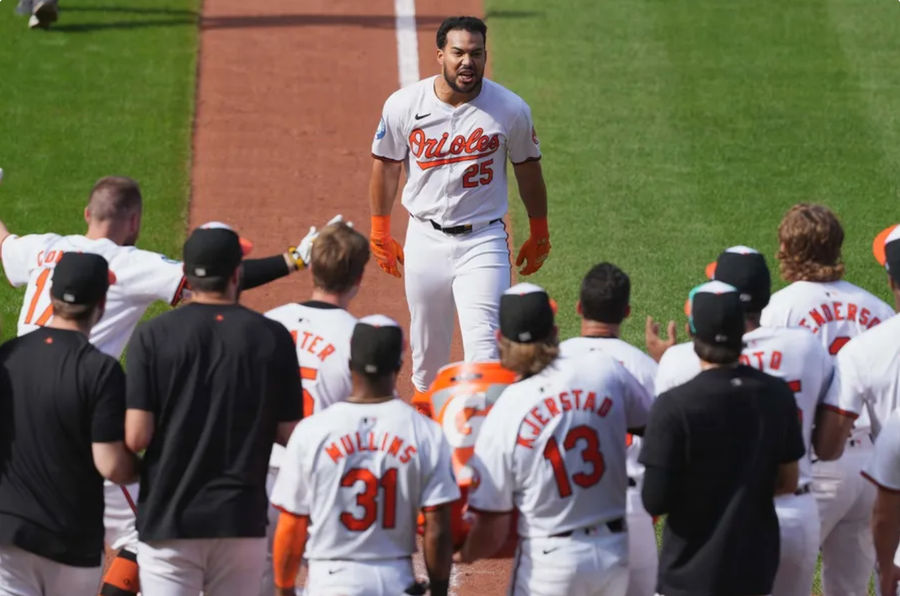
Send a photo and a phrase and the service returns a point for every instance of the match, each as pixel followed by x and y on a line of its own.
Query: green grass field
pixel 109 90
pixel 671 130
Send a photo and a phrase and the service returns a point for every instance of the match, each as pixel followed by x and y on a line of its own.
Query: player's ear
pixel 578 308
pixel 627 310
pixel 87 215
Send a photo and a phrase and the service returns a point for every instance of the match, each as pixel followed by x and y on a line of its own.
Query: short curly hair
pixel 810 239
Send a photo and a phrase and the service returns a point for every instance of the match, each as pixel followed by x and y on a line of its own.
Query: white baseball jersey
pixel 456 157
pixel 869 370
pixel 142 277
pixel 792 355
pixel 639 364
pixel 362 472
pixel 836 311
pixel 553 446
pixel 884 467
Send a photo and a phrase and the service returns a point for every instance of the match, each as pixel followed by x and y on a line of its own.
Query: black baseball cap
pixel 717 314
pixel 212 252
pixel 526 313
pixel 81 278
pixel 744 268
pixel 376 346
pixel 886 248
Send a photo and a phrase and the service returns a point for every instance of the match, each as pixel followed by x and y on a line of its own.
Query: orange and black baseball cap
pixel 744 268
pixel 213 250
pixel 886 249
pixel 81 278
pixel 526 313
pixel 376 346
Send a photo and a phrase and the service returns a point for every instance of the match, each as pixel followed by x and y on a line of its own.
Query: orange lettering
pixel 564 398
pixel 326 352
pixel 407 454
pixel 591 402
pixel 333 452
pixel 775 363
pixel 851 311
pixel 551 406
pixel 604 407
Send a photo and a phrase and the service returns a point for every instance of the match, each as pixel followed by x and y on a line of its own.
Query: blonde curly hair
pixel 810 239
pixel 528 359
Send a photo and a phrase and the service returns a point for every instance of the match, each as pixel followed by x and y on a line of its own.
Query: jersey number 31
pixel 590 454
pixel 368 499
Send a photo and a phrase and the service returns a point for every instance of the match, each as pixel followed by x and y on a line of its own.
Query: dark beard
pixel 474 90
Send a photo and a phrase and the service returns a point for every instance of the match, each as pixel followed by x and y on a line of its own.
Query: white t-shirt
pixel 639 364
pixel 836 311
pixel 553 446
pixel 322 334
pixel 792 355
pixel 456 157
pixel 142 277
pixel 362 472
pixel 869 367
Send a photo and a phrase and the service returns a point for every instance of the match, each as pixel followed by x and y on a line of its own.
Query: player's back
pixel 835 311
pixel 366 471
pixel 141 277
pixel 565 428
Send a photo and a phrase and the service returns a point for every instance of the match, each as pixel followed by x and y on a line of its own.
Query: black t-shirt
pixel 721 437
pixel 59 394
pixel 218 379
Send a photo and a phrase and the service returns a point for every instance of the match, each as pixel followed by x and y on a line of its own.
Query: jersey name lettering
pixel 302 339
pixel 475 146
pixel 838 311
pixel 50 256
pixel 576 399
pixel 360 442
pixel 762 360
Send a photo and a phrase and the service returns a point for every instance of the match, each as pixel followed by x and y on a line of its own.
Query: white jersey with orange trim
pixel 362 473
pixel 835 311
pixel 142 277
pixel 792 355
pixel 456 156
pixel 553 446
pixel 869 369
pixel 635 361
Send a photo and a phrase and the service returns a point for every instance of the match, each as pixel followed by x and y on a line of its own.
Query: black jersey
pixel 218 379
pixel 59 394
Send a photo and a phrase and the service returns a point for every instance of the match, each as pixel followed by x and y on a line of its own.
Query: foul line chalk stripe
pixel 407 42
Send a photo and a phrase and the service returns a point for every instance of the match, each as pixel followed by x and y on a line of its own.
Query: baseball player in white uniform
pixel 884 471
pixel 454 133
pixel 113 217
pixel 603 305
pixel 795 356
pixel 321 328
pixel 553 447
pixel 835 311
pixel 354 478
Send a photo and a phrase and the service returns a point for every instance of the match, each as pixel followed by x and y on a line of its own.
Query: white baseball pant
pixel 643 555
pixel 118 516
pixel 591 562
pixel 845 499
pixel 798 524
pixel 466 271
pixel 26 574
pixel 214 566
pixel 375 577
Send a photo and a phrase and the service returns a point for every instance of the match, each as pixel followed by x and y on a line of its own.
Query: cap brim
pixel 711 270
pixel 687 307
pixel 111 276
pixel 246 245
pixel 878 244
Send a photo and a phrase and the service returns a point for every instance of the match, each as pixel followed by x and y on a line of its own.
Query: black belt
pixel 803 490
pixel 632 483
pixel 616 526
pixel 456 230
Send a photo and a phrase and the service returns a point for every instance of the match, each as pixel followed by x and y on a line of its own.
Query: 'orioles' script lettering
pixel 443 150
pixel 838 311
pixel 361 442
pixel 539 416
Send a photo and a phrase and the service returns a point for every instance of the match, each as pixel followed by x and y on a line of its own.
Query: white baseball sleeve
pixel 150 276
pixel 884 467
pixel 390 141
pixel 848 388
pixel 293 486
pixel 677 366
pixel 493 482
pixel 440 487
pixel 522 141
pixel 19 255
pixel 637 400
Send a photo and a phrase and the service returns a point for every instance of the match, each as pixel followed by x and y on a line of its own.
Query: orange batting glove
pixel 386 250
pixel 536 248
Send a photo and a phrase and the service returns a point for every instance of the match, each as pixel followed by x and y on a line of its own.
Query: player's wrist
pixel 295 258
pixel 381 226
pixel 539 227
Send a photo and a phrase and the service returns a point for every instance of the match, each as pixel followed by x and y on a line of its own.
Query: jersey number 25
pixel 590 455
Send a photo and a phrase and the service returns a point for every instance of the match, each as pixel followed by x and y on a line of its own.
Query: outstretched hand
pixel 656 345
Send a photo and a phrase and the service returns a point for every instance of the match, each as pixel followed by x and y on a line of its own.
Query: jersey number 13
pixel 591 455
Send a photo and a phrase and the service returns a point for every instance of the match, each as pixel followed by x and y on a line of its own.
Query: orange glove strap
pixel 287 548
pixel 538 227
pixel 381 226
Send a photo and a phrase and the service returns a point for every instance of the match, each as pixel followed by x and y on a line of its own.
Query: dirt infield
pixel 288 97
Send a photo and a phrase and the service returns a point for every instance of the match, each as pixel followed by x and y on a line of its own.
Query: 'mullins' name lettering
pixel 838 311
pixel 360 442
pixel 539 416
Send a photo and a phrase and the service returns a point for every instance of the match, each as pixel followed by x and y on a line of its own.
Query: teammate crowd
pixel 273 451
